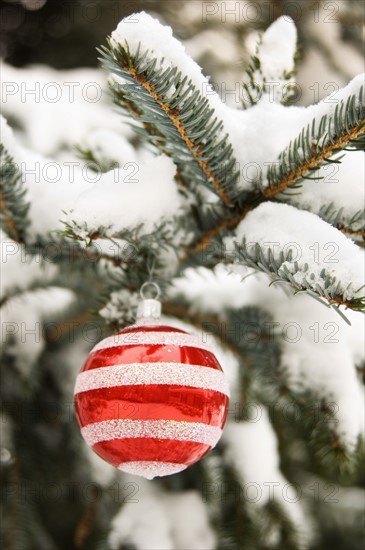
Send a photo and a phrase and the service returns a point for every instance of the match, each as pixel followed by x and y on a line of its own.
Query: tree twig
pixel 173 116
pixel 314 161
pixel 12 228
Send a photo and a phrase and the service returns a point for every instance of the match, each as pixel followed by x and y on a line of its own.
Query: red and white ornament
pixel 151 400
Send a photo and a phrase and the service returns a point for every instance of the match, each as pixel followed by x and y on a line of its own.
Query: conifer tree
pixel 247 220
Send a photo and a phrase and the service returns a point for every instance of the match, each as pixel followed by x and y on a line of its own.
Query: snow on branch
pixel 13 204
pixel 314 134
pixel 272 66
pixel 154 80
pixel 318 359
pixel 298 248
pixel 22 272
pixel 170 520
pixel 136 194
pixel 120 199
pixel 36 190
pixel 13 207
pixel 252 449
pixel 330 130
pixel 105 150
pixel 31 296
pixel 125 259
pixel 336 192
pixel 76 101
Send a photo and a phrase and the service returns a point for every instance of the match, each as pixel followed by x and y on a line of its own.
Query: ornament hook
pixel 149 309
pixel 148 288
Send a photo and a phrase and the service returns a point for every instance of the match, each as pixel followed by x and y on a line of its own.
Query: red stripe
pixel 152 402
pixel 152 353
pixel 161 450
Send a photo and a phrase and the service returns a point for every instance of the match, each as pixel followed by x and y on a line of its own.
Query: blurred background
pixel 38 36
pixel 64 34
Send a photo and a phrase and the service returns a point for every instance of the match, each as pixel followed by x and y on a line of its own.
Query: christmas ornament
pixel 152 399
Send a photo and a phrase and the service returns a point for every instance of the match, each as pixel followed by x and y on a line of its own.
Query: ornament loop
pixel 149 309
pixel 150 290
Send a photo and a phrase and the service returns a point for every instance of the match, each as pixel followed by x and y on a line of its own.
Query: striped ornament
pixel 151 400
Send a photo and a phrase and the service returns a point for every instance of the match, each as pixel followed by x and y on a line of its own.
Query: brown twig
pixel 86 523
pixel 282 185
pixel 206 238
pixel 56 332
pixel 200 321
pixel 351 232
pixel 12 229
pixel 185 313
pixel 172 114
pixel 314 161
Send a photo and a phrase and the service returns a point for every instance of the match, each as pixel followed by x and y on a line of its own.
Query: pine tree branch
pixel 180 122
pixel 132 246
pixel 329 291
pixel 62 330
pixel 257 82
pixel 87 521
pixel 92 256
pixel 190 144
pixel 208 237
pixel 349 223
pixel 259 361
pixel 13 207
pixel 183 312
pixel 315 161
pixel 342 130
pixel 63 249
pixel 163 101
pixel 346 129
pixel 95 164
pixel 10 532
pixel 11 228
pixel 351 232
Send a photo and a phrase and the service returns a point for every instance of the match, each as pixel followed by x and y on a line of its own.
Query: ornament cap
pixel 148 309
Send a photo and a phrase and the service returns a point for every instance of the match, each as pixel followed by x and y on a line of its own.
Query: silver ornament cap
pixel 149 309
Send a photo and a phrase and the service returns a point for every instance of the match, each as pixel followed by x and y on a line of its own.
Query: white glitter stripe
pixel 153 338
pixel 151 469
pixel 178 374
pixel 155 429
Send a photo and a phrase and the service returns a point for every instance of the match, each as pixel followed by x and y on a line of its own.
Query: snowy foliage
pixel 170 521
pixel 121 306
pixel 272 66
pixel 252 448
pixel 321 256
pixel 57 108
pixel 337 185
pixel 320 352
pixel 29 299
pixel 127 197
pixel 217 199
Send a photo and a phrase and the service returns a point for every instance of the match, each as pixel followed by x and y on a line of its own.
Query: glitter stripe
pixel 154 429
pixel 151 469
pixel 179 374
pixel 151 338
